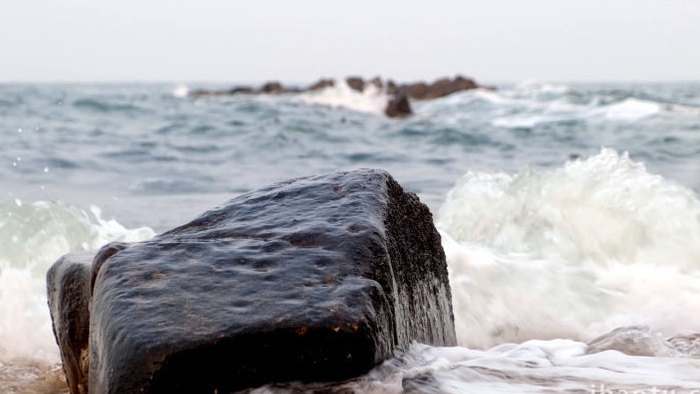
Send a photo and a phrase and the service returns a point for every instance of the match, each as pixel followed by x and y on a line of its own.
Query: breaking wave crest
pixel 33 236
pixel 571 253
pixel 532 104
pixel 372 100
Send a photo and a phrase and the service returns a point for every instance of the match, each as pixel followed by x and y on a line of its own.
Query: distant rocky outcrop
pixel 440 88
pixel 313 279
pixel 398 104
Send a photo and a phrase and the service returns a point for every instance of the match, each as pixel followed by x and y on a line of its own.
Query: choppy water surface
pixel 567 211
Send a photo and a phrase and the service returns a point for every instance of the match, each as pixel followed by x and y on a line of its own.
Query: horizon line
pixel 294 82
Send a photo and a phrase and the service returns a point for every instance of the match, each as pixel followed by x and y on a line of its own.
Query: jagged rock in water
pixel 440 88
pixel 321 84
pixel 68 287
pixel 633 340
pixel 391 87
pixel 398 105
pixel 272 87
pixel 356 83
pixel 313 279
pixel 417 90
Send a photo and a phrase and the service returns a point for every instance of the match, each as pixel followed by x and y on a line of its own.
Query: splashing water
pixel 571 253
pixel 32 236
pixel 373 99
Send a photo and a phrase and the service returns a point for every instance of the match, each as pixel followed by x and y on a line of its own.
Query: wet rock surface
pixel 313 279
pixel 68 285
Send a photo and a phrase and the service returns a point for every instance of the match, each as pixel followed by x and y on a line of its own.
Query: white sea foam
pixel 571 253
pixel 535 87
pixel 544 366
pixel 632 109
pixel 180 91
pixel 521 121
pixel 373 99
pixel 555 366
pixel 32 236
pixel 535 112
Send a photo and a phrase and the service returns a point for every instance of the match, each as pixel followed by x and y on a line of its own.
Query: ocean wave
pixel 571 253
pixel 535 88
pixel 34 235
pixel 532 104
pixel 631 109
pixel 529 115
pixel 97 105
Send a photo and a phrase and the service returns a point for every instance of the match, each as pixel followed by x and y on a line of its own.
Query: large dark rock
pixel 314 279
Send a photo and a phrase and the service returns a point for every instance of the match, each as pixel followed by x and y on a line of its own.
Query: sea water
pixel 569 215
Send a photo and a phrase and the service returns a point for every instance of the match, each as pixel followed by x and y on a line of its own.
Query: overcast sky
pixel 301 40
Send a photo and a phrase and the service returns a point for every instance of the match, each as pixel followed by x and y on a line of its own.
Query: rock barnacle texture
pixel 313 279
